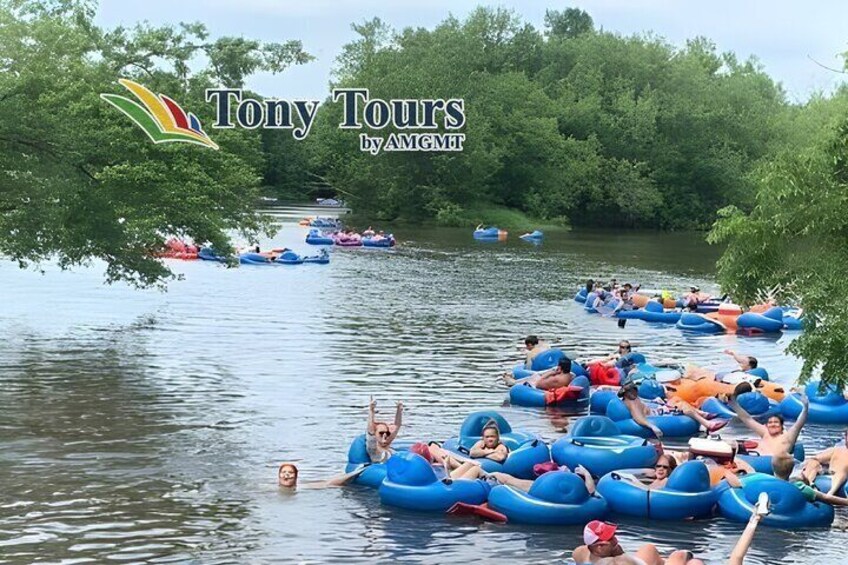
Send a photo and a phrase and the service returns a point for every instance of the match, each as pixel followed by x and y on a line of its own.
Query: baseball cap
pixel 627 383
pixel 596 531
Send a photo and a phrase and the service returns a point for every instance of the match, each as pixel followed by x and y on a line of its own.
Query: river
pixel 148 426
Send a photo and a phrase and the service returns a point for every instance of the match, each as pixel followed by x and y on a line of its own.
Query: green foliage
pixel 796 239
pixel 602 129
pixel 79 180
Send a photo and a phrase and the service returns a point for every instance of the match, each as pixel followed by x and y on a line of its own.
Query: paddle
pixel 481 510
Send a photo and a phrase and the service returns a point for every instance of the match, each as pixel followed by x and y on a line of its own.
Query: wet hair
pixel 782 465
pixel 564 365
pixel 531 340
pixel 590 284
pixel 752 361
pixel 290 465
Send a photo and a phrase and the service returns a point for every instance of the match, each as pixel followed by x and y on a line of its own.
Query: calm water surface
pixel 147 426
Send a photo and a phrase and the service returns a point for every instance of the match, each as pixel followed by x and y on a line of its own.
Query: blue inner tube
pixel 412 483
pixel 387 241
pixel 357 456
pixel 209 254
pixel 253 259
pixel 599 446
pixel 649 389
pixel 758 405
pixel 826 407
pixel 769 321
pixel 824 482
pixel 789 509
pixel 581 296
pixel 524 394
pixel 699 323
pixel 533 235
pixel 687 494
pixel 487 233
pixel 671 425
pixel 525 449
pixel 557 498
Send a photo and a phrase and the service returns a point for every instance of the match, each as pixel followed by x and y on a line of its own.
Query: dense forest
pixel 570 125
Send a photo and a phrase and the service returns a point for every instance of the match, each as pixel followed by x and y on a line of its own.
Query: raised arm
pixel 398 420
pixel 740 359
pixel 746 419
pixel 737 556
pixel 372 406
pixel 793 432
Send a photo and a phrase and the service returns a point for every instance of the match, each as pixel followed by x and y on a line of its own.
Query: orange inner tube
pixel 694 392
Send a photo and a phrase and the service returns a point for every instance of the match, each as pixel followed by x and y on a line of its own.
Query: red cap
pixel 422 450
pixel 596 531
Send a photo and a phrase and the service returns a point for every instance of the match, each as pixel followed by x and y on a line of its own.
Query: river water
pixel 148 426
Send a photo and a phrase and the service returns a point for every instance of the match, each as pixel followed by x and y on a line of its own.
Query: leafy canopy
pixel 80 181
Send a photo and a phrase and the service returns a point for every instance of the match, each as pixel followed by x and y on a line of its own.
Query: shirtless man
pixel 602 546
pixel 639 411
pixel 775 439
pixel 558 377
pixel 534 347
pixel 836 458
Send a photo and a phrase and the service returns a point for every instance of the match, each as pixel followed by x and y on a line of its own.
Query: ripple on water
pixel 147 426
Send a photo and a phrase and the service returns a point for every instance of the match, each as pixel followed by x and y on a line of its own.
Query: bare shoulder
pixel 581 554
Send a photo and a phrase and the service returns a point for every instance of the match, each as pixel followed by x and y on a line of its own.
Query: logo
pixel 161 118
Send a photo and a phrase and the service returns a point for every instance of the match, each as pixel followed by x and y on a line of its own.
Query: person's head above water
pixel 624 347
pixel 628 389
pixel 287 475
pixel 383 434
pixel 664 466
pixel 774 425
pixel 564 365
pixel 531 341
pixel 751 363
pixel 491 435
pixel 600 538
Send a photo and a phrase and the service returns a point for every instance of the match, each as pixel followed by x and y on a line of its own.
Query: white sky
pixel 783 34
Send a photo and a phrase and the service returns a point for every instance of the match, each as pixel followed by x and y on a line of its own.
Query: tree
pixel 569 23
pixel 79 180
pixel 796 240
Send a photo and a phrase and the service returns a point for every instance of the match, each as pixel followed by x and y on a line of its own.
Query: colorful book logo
pixel 161 118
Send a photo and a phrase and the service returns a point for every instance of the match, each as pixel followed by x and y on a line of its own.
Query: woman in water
pixel 288 472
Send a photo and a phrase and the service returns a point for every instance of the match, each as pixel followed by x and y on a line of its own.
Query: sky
pixel 791 39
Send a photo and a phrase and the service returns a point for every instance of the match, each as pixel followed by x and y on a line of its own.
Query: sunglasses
pixel 666 467
pixel 384 434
